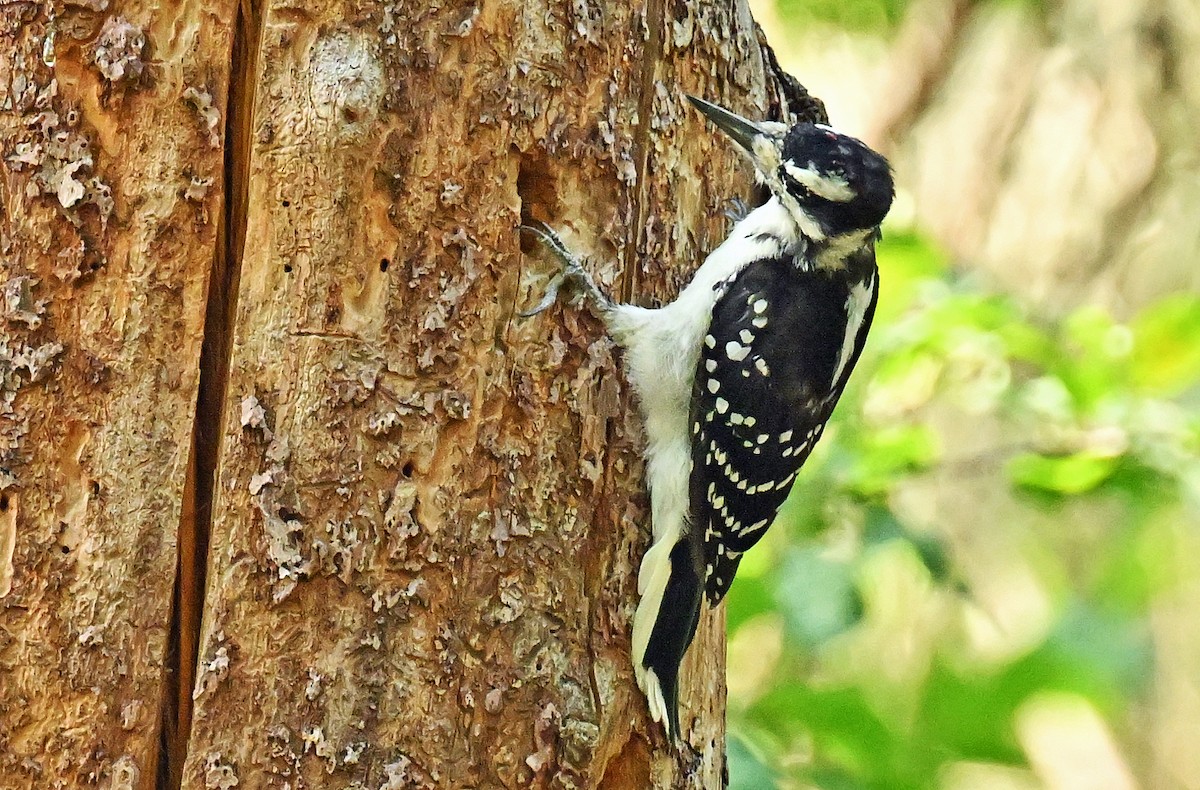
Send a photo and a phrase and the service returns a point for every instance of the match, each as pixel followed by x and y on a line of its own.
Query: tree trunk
pixel 111 199
pixel 427 515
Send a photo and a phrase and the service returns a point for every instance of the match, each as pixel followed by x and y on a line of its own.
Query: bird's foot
pixel 571 274
pixel 736 210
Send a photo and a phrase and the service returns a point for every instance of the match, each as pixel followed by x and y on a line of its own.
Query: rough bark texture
pixel 424 551
pixel 427 515
pixel 111 192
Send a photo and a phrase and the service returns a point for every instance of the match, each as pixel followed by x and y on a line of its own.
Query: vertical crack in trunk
pixel 215 352
pixel 655 10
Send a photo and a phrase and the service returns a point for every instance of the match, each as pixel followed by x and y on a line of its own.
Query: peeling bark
pixel 426 515
pixel 105 252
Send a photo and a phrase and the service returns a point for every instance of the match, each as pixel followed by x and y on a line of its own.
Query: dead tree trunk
pixel 111 146
pixel 421 517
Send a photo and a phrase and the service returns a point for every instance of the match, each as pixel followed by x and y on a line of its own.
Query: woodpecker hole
pixel 286 203
pixel 536 189
pixel 95 488
pixel 384 264
pixel 287 267
pixel 65 549
pixel 407 469
pixel 3 503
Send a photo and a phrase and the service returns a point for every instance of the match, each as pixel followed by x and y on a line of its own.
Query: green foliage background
pixel 1100 414
pixel 983 454
pixel 986 563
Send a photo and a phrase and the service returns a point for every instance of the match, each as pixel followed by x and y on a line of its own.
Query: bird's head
pixel 831 183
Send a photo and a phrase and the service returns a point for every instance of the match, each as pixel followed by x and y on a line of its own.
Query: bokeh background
pixel 988 575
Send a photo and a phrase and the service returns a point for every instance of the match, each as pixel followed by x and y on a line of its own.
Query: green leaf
pixel 1100 655
pixel 1029 343
pixel 1102 658
pixel 839 720
pixel 876 17
pixel 1093 357
pixel 969 716
pixel 882 526
pixel 817 597
pixel 747 770
pixel 909 260
pixel 1139 563
pixel 748 597
pixel 1065 474
pixel 824 777
pixel 889 454
pixel 1166 354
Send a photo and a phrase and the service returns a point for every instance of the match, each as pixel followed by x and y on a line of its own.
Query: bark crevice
pixel 215 355
pixel 655 11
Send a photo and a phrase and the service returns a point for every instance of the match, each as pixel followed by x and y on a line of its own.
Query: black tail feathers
pixel 674 628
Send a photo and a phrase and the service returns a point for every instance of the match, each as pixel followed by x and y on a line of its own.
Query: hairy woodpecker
pixel 737 377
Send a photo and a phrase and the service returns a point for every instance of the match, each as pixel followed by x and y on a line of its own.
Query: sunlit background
pixel 989 573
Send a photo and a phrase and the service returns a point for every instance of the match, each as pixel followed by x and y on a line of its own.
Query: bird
pixel 737 377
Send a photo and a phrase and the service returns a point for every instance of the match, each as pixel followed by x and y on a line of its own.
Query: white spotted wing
pixel 779 348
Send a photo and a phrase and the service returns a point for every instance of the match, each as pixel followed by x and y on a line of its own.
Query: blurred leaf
pixel 882 526
pixel 839 721
pixel 909 260
pixel 1096 362
pixel 803 511
pixel 1097 656
pixel 936 559
pixel 1125 397
pixel 817 597
pixel 1029 343
pixel 1087 327
pixel 1166 354
pixel 826 777
pixel 887 454
pixel 1140 561
pixel 747 771
pixel 970 716
pixel 748 597
pixel 1065 474
pixel 860 16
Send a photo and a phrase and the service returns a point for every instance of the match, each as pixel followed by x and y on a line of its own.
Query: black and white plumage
pixel 737 377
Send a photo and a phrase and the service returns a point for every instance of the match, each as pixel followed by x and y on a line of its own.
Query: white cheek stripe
pixel 828 185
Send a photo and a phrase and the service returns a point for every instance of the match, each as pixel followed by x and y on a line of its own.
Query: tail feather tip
pixel 664 707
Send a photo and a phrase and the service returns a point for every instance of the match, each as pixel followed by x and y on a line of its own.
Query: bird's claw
pixel 572 272
pixel 549 298
pixel 736 210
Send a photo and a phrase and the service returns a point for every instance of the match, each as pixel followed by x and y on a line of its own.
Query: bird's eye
pixel 794 186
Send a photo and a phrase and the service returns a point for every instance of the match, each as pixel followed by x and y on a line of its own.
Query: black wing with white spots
pixel 780 346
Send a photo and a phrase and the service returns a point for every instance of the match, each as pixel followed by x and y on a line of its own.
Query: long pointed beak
pixel 741 130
